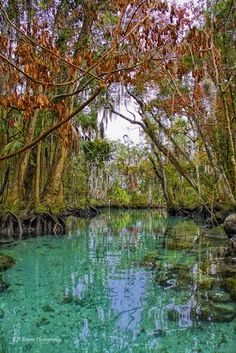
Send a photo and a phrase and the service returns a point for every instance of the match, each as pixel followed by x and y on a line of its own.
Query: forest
pixel 117 246
pixel 64 64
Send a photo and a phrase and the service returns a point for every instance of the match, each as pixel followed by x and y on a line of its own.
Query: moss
pixel 15 207
pixel 40 209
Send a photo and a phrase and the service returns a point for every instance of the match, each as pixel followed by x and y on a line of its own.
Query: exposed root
pixel 12 226
pixel 54 225
pixel 39 226
pixel 9 223
pixel 19 230
pixel 62 224
pixel 31 222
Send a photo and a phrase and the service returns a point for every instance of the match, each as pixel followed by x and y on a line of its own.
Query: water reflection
pixel 132 281
pixel 127 294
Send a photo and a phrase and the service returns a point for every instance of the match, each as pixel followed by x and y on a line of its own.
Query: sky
pixel 118 128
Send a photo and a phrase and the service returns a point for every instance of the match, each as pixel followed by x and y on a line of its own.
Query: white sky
pixel 118 128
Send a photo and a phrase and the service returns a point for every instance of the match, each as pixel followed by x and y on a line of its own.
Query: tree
pixel 190 81
pixel 56 60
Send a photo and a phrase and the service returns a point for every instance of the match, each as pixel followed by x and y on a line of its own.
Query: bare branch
pixel 134 122
pixel 77 91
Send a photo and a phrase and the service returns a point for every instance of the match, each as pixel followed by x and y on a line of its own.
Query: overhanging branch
pixel 54 127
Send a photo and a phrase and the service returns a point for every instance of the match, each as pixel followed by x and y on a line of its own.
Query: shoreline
pixel 13 226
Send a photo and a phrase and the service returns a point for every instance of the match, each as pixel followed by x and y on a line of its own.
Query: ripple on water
pixel 133 281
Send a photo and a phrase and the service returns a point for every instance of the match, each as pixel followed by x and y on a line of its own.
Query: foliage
pixel 97 151
pixel 55 61
pixel 67 63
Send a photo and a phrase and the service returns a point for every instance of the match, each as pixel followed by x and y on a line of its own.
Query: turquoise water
pixel 96 289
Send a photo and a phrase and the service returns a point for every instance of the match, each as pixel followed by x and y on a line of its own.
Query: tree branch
pixel 77 91
pixel 134 122
pixel 34 42
pixel 54 127
pixel 35 80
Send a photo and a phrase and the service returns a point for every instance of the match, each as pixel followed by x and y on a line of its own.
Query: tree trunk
pixel 53 196
pixel 37 175
pixel 17 188
pixel 160 173
pixel 170 156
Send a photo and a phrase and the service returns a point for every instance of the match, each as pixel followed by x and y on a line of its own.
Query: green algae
pixel 6 262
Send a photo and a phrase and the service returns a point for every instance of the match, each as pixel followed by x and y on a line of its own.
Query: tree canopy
pixel 65 63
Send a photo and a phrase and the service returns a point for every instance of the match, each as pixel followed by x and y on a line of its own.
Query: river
pixel 125 281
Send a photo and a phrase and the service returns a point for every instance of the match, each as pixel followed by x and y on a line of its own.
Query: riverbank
pixel 14 226
pixel 208 215
pixel 34 224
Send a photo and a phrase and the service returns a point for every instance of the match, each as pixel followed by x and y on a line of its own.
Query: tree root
pixel 19 230
pixel 12 226
pixel 15 227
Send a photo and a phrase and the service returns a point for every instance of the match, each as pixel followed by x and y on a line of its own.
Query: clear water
pixel 93 290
